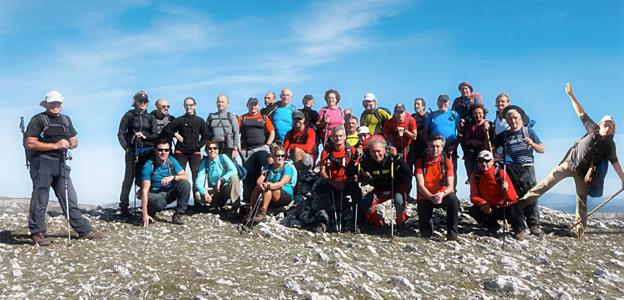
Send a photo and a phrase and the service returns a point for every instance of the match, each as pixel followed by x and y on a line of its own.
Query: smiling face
pixel 222 102
pixel 141 105
pixel 436 147
pixel 377 151
pixel 331 100
pixel 189 106
pixel 502 102
pixel 606 128
pixel 514 119
pixel 253 108
pixel 369 104
pixel 484 164
pixel 352 126
pixel 279 157
pixel 443 105
pixel 162 106
pixel 54 108
pixel 286 95
pixel 419 106
pixel 465 91
pixel 338 138
pixel 213 150
pixel 478 115
pixel 162 152
pixel 269 98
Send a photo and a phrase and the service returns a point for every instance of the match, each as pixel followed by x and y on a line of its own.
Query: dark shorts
pixel 284 200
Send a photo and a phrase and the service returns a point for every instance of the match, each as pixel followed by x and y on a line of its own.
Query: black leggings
pixel 193 160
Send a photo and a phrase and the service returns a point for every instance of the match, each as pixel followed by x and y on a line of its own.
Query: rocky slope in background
pixel 208 258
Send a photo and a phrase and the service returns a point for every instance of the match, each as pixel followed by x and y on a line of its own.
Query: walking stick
pixel 392 191
pixel 332 196
pixel 64 167
pixel 254 210
pixel 23 130
pixel 134 168
pixel 597 208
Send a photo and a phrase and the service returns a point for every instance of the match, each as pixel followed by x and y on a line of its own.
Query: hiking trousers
pixel 425 211
pixel 179 191
pixel 557 174
pixel 511 212
pixel 46 173
pixel 193 159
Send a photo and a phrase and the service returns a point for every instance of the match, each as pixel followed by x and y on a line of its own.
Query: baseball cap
pixel 486 155
pixel 297 114
pixel 443 98
pixel 607 118
pixel 370 97
pixel 399 107
pixel 307 98
pixel 363 130
pixel 253 101
pixel 140 96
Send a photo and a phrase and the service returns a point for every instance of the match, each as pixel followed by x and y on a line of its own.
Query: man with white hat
pixel 582 161
pixel 48 138
pixel 373 117
pixel 494 197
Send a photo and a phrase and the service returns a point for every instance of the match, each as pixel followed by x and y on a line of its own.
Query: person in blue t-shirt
pixel 444 122
pixel 164 181
pixel 518 143
pixel 282 117
pixel 276 185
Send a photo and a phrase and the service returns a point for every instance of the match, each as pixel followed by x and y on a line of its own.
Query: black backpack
pixel 46 124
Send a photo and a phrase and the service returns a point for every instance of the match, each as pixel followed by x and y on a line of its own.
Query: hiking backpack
pixel 45 119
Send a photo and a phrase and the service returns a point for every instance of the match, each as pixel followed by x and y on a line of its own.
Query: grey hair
pixel 338 128
pixel 509 112
pixel 504 94
pixel 375 141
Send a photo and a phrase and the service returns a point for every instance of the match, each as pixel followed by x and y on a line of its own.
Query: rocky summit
pixel 208 258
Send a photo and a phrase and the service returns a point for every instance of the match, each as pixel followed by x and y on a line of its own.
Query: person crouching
pixel 217 180
pixel 164 181
pixel 435 175
pixel 494 197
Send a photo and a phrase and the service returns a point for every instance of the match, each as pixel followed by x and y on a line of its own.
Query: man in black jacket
pixel 161 115
pixel 136 134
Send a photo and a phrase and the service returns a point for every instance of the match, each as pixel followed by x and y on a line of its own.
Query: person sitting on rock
pixel 300 143
pixel 435 175
pixel 275 186
pixel 338 167
pixel 391 179
pixel 217 180
pixel 494 197
pixel 164 181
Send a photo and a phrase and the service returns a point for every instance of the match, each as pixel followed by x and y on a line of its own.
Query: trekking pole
pixel 393 198
pixel 23 130
pixel 254 210
pixel 64 167
pixel 134 168
pixel 597 208
pixel 332 195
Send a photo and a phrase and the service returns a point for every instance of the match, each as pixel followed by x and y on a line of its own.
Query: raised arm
pixel 575 103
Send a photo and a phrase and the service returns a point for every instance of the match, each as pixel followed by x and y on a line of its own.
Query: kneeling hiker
pixel 217 180
pixel 435 176
pixel 390 178
pixel 582 161
pixel 275 185
pixel 494 197
pixel 338 161
pixel 164 181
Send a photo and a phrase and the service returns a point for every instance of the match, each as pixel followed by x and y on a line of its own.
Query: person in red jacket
pixel 300 143
pixel 399 131
pixel 435 175
pixel 494 197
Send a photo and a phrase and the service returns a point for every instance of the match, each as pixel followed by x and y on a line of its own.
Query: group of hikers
pixel 253 162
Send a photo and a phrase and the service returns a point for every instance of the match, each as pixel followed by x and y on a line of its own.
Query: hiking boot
pixel 125 212
pixel 493 230
pixel 39 239
pixel 536 230
pixel 92 235
pixel 451 236
pixel 261 216
pixel 320 228
pixel 521 236
pixel 230 214
pixel 177 219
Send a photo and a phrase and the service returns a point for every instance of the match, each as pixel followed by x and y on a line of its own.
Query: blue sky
pixel 98 54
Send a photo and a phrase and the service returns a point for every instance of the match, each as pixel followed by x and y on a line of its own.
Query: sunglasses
pixel 189 105
pixel 483 160
pixel 165 150
pixel 280 155
pixel 165 106
pixel 213 148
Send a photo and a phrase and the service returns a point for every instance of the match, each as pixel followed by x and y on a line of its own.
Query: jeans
pixel 46 173
pixel 425 211
pixel 179 191
pixel 557 174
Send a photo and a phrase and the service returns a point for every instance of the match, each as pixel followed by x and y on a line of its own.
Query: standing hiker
pixel 502 101
pixel 270 105
pixel 400 131
pixel 136 134
pixel 494 198
pixel 161 115
pixel 191 134
pixel 518 143
pixel 282 116
pixel 330 116
pixel 373 117
pixel 582 161
pixel 445 122
pixel 223 128
pixel 463 104
pixel 49 136
pixel 475 137
pixel 420 144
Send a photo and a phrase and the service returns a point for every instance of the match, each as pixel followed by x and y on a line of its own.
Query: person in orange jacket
pixel 494 197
